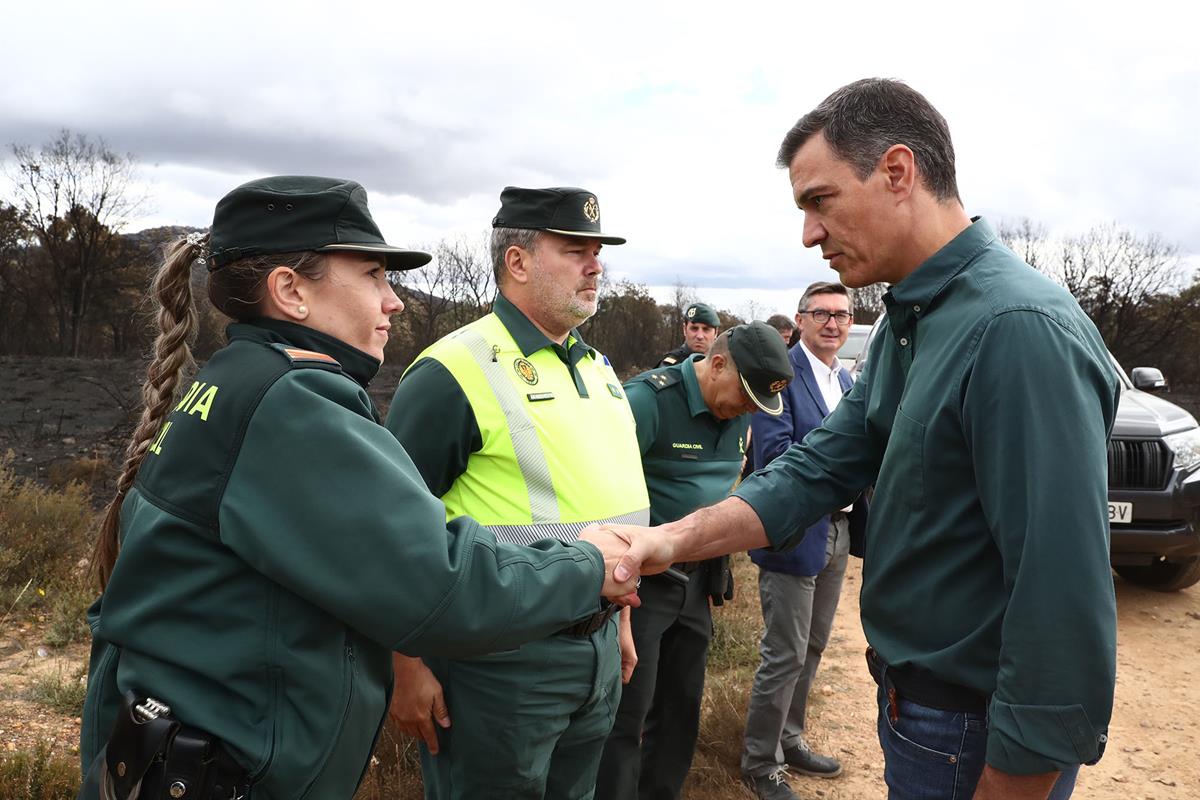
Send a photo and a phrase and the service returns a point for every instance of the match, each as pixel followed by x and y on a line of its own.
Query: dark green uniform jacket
pixel 676 356
pixel 690 458
pixel 277 545
pixel 981 417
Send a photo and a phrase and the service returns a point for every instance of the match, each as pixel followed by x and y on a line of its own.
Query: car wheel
pixel 1163 576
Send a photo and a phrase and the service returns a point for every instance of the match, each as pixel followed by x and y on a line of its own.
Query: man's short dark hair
pixel 861 120
pixel 824 287
pixel 781 323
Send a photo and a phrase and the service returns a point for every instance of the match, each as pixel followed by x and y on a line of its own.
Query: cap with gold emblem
pixel 563 210
pixel 762 362
pixel 700 312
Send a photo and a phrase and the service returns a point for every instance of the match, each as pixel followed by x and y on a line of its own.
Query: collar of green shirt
pixel 530 339
pixel 691 385
pixel 913 296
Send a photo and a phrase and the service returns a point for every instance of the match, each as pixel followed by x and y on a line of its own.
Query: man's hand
pixel 417 701
pixel 996 785
pixel 625 642
pixel 650 550
pixel 627 551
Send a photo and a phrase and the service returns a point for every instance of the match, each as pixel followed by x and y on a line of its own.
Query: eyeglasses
pixel 821 316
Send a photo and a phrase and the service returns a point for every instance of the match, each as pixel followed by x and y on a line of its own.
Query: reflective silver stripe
pixel 543 502
pixel 563 531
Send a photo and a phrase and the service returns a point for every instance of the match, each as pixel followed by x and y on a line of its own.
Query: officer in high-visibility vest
pixel 515 421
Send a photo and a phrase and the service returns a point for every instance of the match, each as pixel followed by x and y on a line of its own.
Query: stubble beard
pixel 571 311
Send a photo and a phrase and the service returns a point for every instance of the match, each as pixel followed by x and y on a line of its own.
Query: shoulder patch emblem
pixel 525 371
pixel 670 360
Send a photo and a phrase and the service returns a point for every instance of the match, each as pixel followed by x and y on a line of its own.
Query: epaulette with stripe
pixel 300 358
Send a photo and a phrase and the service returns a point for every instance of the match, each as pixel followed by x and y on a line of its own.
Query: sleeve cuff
pixel 597 560
pixel 1033 739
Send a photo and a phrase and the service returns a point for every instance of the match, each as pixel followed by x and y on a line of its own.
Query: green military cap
pixel 699 312
pixel 564 210
pixel 293 213
pixel 762 362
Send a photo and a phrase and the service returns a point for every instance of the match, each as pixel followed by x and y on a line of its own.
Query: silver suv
pixel 1153 483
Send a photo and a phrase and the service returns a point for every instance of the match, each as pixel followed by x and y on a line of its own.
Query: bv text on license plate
pixel 1120 513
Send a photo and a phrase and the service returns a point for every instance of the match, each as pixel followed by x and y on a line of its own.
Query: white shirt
pixel 827 382
pixel 827 378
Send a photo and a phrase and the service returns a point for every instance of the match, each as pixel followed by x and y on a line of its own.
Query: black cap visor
pixel 398 259
pixel 600 237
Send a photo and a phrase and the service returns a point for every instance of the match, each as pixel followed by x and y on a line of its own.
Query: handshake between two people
pixel 631 551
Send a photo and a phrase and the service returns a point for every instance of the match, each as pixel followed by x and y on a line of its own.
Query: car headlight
pixel 1186 446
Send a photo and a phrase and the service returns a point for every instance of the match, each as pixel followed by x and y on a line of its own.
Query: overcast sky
pixel 1072 114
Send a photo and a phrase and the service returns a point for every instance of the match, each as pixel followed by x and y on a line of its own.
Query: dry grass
pixel 88 471
pixel 38 775
pixel 43 534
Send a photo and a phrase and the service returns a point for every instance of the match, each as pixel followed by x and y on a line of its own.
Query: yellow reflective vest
pixel 552 462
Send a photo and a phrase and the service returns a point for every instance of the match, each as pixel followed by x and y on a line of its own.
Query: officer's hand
pixel 612 547
pixel 650 551
pixel 627 645
pixel 417 701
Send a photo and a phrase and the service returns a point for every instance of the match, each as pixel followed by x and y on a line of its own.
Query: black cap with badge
pixel 762 362
pixel 702 313
pixel 564 210
pixel 294 213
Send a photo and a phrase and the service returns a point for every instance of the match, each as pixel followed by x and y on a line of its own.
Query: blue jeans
pixel 930 754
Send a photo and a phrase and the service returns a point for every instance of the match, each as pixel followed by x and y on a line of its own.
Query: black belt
pixel 688 566
pixel 924 688
pixel 588 626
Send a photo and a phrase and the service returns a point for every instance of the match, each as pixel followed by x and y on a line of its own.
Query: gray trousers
pixel 798 614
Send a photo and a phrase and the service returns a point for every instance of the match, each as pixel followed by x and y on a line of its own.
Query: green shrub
pixel 66 617
pixel 43 534
pixel 38 775
pixel 61 693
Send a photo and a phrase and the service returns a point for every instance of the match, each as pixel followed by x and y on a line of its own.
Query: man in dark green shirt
pixel 700 328
pixel 981 419
pixel 692 422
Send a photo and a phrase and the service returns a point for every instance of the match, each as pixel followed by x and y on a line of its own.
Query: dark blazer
pixel 803 409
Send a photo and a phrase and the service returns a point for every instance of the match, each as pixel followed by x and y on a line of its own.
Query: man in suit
pixel 800 587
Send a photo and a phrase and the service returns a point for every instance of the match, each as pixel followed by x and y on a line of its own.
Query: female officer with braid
pixel 268 547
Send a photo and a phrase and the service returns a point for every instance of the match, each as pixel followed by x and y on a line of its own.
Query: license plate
pixel 1120 513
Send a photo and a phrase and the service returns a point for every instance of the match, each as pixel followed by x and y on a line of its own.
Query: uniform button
pixel 903 342
pixel 917 309
pixel 1103 738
